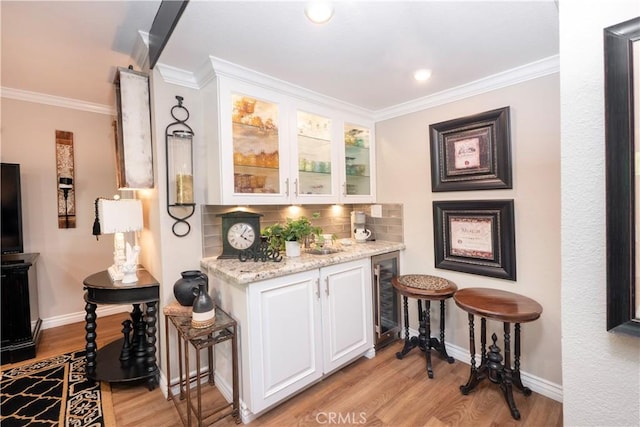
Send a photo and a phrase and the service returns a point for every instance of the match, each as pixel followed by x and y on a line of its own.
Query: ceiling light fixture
pixel 319 12
pixel 422 75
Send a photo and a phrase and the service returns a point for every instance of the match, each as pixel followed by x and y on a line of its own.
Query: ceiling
pixel 364 56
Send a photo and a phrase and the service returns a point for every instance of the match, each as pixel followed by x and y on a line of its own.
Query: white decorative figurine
pixel 131 264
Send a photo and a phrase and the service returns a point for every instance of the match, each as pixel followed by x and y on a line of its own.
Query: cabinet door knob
pixel 326 289
pixel 286 186
pixel 295 186
pixel 318 288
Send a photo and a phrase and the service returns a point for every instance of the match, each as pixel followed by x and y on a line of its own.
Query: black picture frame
pixel 472 153
pixel 621 196
pixel 476 237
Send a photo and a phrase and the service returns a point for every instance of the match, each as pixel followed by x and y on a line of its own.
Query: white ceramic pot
pixel 292 249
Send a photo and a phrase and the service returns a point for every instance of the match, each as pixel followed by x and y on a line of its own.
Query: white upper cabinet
pixel 269 142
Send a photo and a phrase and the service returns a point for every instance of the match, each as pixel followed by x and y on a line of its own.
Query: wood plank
pixel 382 391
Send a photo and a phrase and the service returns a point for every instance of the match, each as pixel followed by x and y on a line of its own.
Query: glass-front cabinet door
pixel 358 163
pixel 256 153
pixel 315 147
pixel 267 147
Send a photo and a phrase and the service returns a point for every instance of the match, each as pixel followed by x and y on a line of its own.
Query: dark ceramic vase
pixel 204 311
pixel 186 289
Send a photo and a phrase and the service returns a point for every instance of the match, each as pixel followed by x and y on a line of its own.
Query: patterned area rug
pixel 54 392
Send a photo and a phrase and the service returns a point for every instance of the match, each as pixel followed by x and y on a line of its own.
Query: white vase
pixel 292 249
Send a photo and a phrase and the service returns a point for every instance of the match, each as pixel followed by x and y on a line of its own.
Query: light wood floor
pixel 383 391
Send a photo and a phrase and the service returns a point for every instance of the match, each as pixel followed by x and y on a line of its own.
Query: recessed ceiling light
pixel 319 12
pixel 422 75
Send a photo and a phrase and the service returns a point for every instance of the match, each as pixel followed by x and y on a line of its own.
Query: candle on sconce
pixel 184 189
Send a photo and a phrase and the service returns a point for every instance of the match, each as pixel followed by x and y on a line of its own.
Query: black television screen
pixel 11 218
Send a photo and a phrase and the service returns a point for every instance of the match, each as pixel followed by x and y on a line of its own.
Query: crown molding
pixel 218 67
pixel 533 70
pixel 177 76
pixel 56 101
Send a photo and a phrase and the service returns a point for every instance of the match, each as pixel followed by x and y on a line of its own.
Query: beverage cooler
pixel 386 301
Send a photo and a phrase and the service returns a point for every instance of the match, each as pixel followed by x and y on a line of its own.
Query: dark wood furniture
pixel 20 315
pixel 427 288
pixel 132 357
pixel 506 307
pixel 224 329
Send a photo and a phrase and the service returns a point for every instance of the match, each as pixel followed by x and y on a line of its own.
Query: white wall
pixel 67 256
pixel 601 371
pixel 166 255
pixel 404 176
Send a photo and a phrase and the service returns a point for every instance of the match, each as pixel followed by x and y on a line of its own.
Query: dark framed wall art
pixel 476 236
pixel 622 152
pixel 471 153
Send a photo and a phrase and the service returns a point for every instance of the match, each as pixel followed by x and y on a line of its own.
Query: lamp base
pixel 115 273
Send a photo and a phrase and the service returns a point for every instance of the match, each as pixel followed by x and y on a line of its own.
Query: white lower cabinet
pixel 297 328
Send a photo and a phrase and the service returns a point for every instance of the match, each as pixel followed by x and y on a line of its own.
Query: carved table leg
pixel 425 334
pixel 91 347
pixel 409 342
pixel 439 344
pixel 517 380
pixel 507 381
pixel 473 376
pixel 150 347
pixel 483 341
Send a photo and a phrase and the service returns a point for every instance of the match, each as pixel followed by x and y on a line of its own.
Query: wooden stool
pixel 508 308
pixel 428 288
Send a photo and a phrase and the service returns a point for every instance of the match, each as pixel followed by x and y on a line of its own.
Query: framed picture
pixel 471 153
pixel 622 133
pixel 476 237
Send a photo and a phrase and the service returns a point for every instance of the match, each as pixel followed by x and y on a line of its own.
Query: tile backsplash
pixel 334 219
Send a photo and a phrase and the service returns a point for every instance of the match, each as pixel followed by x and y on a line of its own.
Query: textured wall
pixel 601 371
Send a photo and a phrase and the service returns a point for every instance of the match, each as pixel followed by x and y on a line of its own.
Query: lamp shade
pixel 120 216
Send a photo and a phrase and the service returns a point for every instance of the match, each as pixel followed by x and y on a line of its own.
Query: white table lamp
pixel 118 217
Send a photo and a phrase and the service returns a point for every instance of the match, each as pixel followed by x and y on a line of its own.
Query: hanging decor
pixel 179 156
pixel 65 180
pixel 134 156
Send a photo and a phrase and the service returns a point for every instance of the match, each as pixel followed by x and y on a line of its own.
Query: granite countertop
pixel 234 271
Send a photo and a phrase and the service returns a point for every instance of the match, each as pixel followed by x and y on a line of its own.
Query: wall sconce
pixel 179 155
pixel 65 184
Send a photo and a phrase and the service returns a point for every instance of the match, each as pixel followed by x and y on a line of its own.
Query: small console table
pixel 508 308
pixel 424 287
pixel 132 357
pixel 224 329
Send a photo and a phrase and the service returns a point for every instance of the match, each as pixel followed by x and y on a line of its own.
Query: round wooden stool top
pixel 423 286
pixel 498 305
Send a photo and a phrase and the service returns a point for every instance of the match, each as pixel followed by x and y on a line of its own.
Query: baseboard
pixel 535 383
pixel 66 319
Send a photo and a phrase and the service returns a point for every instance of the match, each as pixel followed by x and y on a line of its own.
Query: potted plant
pixel 291 234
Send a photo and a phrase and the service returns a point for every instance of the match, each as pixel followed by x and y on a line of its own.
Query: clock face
pixel 241 236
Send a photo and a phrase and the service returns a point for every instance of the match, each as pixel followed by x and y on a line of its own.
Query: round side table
pixel 427 288
pixel 506 307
